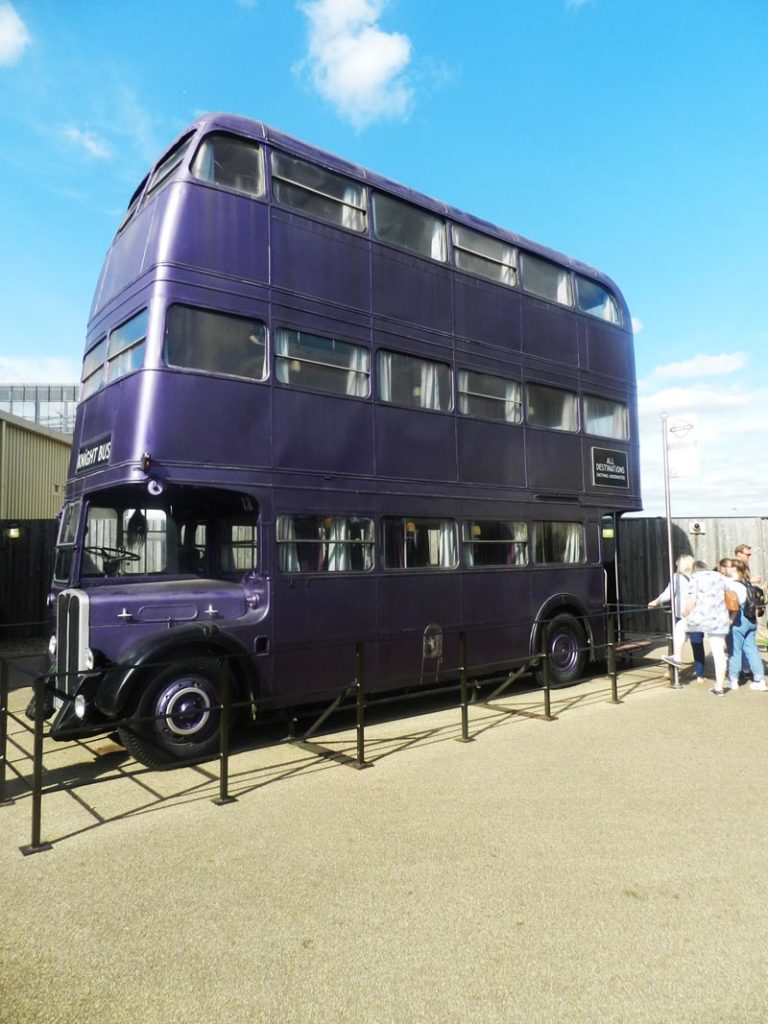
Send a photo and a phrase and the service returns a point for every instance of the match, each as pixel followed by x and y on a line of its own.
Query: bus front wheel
pixel 564 642
pixel 177 716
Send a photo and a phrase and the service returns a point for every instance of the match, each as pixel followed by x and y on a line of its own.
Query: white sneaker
pixel 718 691
pixel 731 684
pixel 758 684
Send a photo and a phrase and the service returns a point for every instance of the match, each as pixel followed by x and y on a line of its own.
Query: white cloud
pixel 93 145
pixel 575 5
pixel 700 366
pixel 14 35
pixel 637 325
pixel 355 65
pixel 38 370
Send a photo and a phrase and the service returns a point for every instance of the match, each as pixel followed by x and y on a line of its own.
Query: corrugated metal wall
pixel 33 469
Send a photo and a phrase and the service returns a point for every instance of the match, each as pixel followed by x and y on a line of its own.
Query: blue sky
pixel 630 134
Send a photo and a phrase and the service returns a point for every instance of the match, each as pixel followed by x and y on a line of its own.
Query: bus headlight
pixel 80 706
pixel 52 646
pixel 89 659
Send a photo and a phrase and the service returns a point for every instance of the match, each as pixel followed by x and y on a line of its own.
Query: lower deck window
pixel 324 544
pixel 558 543
pixel 420 544
pixel 494 542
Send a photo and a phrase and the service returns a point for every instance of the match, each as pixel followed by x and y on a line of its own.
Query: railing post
pixel 360 706
pixel 545 670
pixel 38 688
pixel 612 672
pixel 224 720
pixel 4 687
pixel 465 737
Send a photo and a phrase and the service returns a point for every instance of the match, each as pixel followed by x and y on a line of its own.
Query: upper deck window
pixel 408 380
pixel 545 279
pixel 490 397
pixel 408 227
pixel 197 339
pixel 163 173
pixel 230 162
pixel 592 298
pixel 322 363
pixel 605 417
pixel 93 370
pixel 551 407
pixel 126 347
pixel 314 190
pixel 484 256
pixel 132 205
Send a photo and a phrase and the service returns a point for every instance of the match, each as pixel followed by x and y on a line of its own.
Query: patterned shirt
pixel 709 614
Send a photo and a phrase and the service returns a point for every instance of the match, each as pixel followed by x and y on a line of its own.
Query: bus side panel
pixel 322 434
pixel 609 350
pixel 491 453
pixel 210 230
pixel 554 460
pixel 415 444
pixel 487 313
pixel 550 333
pixel 312 259
pixel 411 289
pixel 497 618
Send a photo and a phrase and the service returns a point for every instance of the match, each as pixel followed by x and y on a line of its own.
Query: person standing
pixel 706 611
pixel 681 584
pixel 743 635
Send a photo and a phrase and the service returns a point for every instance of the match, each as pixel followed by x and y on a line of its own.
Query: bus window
pixel 126 347
pixel 545 279
pixel 490 397
pixel 324 544
pixel 558 543
pixel 493 542
pixel 419 543
pixel 409 228
pixel 230 162
pixel 325 364
pixel 408 380
pixel 551 407
pixel 318 192
pixel 593 298
pixel 198 339
pixel 163 173
pixel 484 256
pixel 238 552
pixel 606 418
pixel 93 370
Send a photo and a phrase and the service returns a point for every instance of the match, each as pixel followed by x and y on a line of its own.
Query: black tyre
pixel 566 647
pixel 180 706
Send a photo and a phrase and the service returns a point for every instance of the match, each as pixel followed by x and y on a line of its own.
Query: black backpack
pixel 754 605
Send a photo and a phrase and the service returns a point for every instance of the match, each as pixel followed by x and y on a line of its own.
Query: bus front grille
pixel 71 641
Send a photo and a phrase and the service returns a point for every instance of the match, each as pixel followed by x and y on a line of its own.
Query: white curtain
pixel 573 542
pixel 337 550
pixel 512 407
pixel 286 544
pixel 447 549
pixel 357 375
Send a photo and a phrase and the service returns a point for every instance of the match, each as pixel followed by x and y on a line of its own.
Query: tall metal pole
pixel 670 560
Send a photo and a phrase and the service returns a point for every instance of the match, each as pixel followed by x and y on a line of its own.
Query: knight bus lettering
pixel 93 455
pixel 317 480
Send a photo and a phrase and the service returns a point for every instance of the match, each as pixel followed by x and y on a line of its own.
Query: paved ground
pixel 606 867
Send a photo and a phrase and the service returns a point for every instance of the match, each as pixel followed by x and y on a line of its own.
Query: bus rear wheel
pixel 566 651
pixel 177 716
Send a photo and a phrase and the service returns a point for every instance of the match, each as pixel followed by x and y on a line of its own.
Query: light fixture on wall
pixel 12 531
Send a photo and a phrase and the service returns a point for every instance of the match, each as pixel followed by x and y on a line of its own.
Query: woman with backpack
pixel 744 631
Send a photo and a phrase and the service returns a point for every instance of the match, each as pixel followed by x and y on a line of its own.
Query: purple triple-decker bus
pixel 319 409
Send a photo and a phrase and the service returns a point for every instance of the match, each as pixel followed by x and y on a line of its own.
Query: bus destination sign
pixel 95 454
pixel 610 468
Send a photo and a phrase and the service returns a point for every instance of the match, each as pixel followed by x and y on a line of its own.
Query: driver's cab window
pixel 131 542
pixel 192 548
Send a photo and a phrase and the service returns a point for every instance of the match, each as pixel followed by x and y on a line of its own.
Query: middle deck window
pixel 408 380
pixel 490 397
pixel 324 364
pixel 551 407
pixel 197 339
